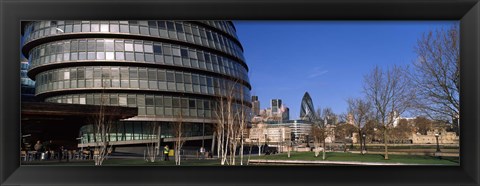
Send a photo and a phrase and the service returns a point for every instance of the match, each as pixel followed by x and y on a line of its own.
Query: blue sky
pixel 326 58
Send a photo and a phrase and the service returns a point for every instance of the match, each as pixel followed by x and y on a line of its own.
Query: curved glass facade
pixel 161 67
pixel 307 111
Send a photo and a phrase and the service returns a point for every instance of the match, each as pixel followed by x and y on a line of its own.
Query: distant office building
pixel 267 115
pixel 285 113
pixel 255 106
pixel 163 68
pixel 275 105
pixel 307 111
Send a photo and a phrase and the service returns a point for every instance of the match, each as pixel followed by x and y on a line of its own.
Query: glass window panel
pixel 170 77
pixel 91 46
pixel 178 77
pixel 119 56
pixel 138 48
pixel 104 28
pixel 170 26
pixel 110 56
pixel 85 27
pixel 91 55
pixel 101 55
pixel 114 28
pixel 168 101
pixel 142 73
pixel 133 73
pixel 139 56
pixel 144 30
pixel 176 51
pixel 179 27
pixel 157 49
pixel 191 103
pixel 82 46
pixel 95 27
pixel 184 53
pixel 152 23
pixel 167 50
pixel 109 45
pixel 124 29
pixel 161 24
pixel 152 75
pixel 161 75
pixel 128 47
pixel 119 46
pixel 100 45
pixel 122 100
pixel 129 56
pixel 149 48
pixel 134 29
pixel 175 102
pixel 149 58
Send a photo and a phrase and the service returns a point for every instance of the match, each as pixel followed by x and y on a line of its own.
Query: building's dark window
pixel 178 77
pixel 161 24
pixel 170 77
pixel 170 26
pixel 175 102
pixel 157 49
pixel 179 27
pixel 152 24
pixel 184 53
pixel 191 103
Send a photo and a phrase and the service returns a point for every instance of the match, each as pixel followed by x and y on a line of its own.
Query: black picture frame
pixel 13 12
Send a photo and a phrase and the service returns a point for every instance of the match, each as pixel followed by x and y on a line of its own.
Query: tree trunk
pixel 324 147
pixel 385 142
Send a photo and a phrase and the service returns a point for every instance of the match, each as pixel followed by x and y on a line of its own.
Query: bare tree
pixel 437 75
pixel 402 132
pixel 103 124
pixel 359 111
pixel 320 128
pixel 180 138
pixel 344 131
pixel 390 93
pixel 154 145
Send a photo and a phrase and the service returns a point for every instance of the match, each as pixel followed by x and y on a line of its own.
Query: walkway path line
pixel 305 162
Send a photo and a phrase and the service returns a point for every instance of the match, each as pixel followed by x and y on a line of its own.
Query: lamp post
pixel 438 146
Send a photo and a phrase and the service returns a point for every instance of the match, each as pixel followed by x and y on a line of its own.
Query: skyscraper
pixel 163 68
pixel 307 111
pixel 275 104
pixel 255 106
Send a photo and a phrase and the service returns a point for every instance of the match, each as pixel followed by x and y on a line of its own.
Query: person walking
pixel 165 152
pixel 38 148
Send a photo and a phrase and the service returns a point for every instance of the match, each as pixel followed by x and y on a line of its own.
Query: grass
pixel 309 156
pixel 127 162
pixel 340 156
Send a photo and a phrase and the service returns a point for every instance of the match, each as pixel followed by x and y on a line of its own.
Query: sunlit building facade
pixel 166 69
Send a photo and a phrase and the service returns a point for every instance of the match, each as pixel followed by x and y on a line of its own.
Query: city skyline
pixel 331 65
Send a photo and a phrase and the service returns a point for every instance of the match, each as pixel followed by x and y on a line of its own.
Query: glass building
pixel 307 112
pixel 27 84
pixel 163 68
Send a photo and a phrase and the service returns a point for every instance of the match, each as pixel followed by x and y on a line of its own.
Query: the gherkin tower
pixel 307 112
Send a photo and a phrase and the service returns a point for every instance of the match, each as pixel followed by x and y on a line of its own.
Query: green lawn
pixel 340 156
pixel 331 156
pixel 127 162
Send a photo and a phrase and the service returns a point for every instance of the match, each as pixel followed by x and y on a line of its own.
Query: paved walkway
pixel 306 162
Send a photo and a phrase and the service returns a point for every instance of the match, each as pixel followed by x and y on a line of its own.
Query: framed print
pixel 169 93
